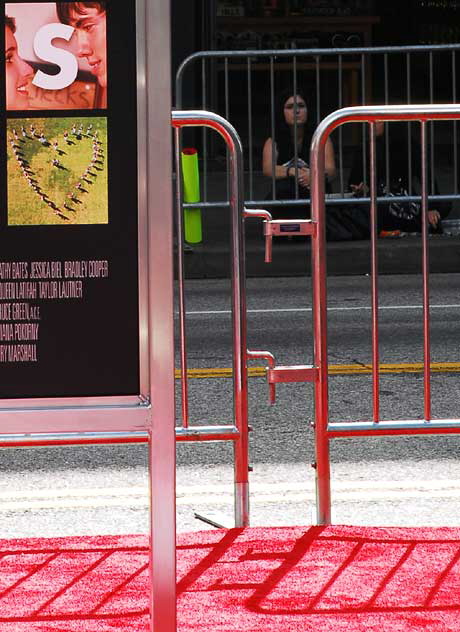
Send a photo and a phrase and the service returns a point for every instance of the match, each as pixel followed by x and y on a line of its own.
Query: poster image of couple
pixel 55 56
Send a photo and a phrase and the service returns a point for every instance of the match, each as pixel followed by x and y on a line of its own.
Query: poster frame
pixel 108 413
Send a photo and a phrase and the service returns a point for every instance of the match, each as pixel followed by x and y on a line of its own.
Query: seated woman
pixel 293 134
pixel 397 215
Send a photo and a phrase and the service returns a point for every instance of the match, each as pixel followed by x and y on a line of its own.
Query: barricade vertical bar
pixel 364 133
pixel 272 122
pixel 409 124
pixel 240 374
pixel 296 142
pixel 454 99
pixel 432 188
pixel 363 79
pixel 250 157
pixel 323 473
pixel 318 91
pixel 181 282
pixel 387 139
pixel 205 138
pixel 227 116
pixel 426 272
pixel 374 273
pixel 340 89
pixel 227 105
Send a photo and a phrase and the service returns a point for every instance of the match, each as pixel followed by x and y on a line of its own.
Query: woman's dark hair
pixel 10 23
pixel 67 10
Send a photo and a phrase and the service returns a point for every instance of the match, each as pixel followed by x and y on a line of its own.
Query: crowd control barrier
pixel 324 430
pixel 332 78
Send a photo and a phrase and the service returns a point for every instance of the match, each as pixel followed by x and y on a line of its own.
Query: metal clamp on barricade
pixel 283 374
pixel 281 228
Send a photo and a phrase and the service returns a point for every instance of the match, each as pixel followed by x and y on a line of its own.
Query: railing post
pixel 319 275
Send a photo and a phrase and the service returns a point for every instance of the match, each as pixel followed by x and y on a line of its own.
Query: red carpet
pixel 277 580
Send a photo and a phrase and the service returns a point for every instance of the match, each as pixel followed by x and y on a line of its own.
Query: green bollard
pixel 191 181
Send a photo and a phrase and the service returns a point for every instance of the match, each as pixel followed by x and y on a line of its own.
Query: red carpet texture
pixel 294 579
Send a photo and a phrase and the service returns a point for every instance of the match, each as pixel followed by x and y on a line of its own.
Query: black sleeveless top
pixel 286 150
pixel 286 154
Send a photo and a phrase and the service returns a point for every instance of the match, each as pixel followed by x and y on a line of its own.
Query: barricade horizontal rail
pixel 336 77
pixel 40 440
pixel 324 430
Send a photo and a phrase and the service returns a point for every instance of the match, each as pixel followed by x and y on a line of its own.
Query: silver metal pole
pixel 250 132
pixel 409 125
pixel 204 135
pixel 319 276
pixel 162 443
pixel 296 142
pixel 431 127
pixel 340 89
pixel 318 90
pixel 272 124
pixel 426 274
pixel 454 99
pixel 374 268
pixel 387 137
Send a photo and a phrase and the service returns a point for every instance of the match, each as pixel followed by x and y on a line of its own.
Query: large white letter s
pixel 44 49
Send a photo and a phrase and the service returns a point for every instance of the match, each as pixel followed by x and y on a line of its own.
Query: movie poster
pixel 68 205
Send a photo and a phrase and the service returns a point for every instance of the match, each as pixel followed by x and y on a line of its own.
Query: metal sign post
pixel 162 437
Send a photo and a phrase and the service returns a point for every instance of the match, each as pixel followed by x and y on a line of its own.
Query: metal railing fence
pixel 243 87
pixel 325 430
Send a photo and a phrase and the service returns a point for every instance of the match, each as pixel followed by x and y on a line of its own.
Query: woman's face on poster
pixel 92 44
pixel 17 73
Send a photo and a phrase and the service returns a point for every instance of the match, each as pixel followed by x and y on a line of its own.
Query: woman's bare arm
pixel 267 161
pixel 329 160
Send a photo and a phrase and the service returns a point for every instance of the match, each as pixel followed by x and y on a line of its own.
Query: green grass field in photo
pixel 88 206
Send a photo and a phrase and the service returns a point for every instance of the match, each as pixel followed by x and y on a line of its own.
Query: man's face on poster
pixel 90 33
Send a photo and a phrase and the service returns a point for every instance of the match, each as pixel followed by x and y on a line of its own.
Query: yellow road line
pixel 334 369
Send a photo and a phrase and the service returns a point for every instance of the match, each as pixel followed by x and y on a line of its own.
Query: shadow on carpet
pixel 293 579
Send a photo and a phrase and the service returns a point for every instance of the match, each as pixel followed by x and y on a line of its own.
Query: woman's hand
pixel 304 177
pixel 359 189
pixel 433 218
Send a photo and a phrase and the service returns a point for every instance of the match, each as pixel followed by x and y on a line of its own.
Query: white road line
pixel 218 495
pixel 309 309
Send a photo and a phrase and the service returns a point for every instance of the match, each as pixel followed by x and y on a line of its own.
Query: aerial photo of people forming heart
pixel 57 171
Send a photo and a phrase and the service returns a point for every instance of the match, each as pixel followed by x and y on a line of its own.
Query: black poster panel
pixel 69 304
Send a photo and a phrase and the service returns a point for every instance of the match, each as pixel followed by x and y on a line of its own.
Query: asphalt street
pixel 399 480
